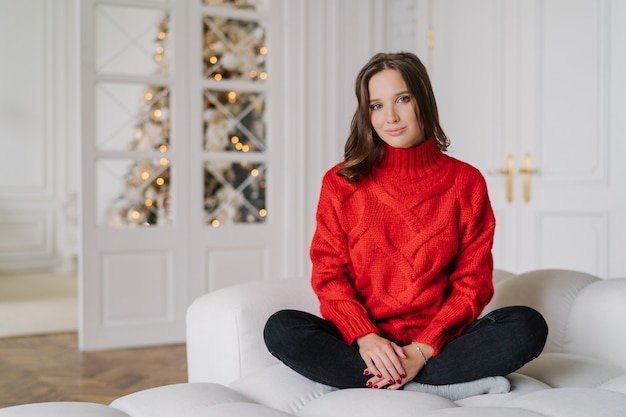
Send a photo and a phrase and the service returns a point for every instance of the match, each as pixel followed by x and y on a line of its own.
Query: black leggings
pixel 497 344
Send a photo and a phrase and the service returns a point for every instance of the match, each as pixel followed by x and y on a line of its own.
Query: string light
pixel 153 128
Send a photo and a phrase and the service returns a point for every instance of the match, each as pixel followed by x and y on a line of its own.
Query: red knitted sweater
pixel 405 252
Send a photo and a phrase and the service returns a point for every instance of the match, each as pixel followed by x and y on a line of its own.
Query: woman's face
pixel 393 111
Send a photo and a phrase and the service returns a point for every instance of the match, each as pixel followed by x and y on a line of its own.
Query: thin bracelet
pixel 421 353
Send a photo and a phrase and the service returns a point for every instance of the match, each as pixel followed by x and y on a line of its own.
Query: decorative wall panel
pixel 227 267
pixel 582 231
pixel 136 287
pixel 581 39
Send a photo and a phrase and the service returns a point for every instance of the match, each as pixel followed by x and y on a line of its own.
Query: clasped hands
pixel 390 365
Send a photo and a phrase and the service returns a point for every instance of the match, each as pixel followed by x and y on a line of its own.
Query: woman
pixel 402 261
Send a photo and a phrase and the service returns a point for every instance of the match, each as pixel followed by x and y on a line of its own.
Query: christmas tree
pixel 233 121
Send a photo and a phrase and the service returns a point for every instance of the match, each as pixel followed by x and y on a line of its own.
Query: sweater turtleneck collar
pixel 414 163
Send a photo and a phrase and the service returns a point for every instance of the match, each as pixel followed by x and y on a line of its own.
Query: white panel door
pixel 541 82
pixel 181 162
pixel 236 165
pixel 134 272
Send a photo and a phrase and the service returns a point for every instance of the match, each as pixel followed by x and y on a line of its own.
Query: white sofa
pixel 582 371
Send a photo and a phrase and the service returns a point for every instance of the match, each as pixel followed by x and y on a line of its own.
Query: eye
pixel 404 99
pixel 375 106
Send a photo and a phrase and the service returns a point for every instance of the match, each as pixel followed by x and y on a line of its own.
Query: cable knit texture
pixel 405 252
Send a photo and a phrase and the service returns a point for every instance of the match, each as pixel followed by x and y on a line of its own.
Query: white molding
pixel 27 240
pixel 596 224
pixel 594 171
pixel 294 131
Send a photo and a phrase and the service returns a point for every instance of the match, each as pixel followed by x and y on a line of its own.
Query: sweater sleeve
pixel 330 257
pixel 470 280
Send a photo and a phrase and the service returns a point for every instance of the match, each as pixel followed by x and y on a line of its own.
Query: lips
pixel 395 132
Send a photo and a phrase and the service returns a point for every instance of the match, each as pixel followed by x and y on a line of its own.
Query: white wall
pixel 38 134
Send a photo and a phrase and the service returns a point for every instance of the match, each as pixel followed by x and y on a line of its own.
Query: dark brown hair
pixel 364 147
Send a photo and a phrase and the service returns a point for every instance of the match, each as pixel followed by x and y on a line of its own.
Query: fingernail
pixel 375 386
pixel 369 383
pixel 399 381
pixel 403 376
pixel 391 381
pixel 379 376
pixel 366 372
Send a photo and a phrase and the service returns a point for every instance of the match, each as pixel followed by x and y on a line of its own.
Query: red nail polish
pixel 390 381
pixel 399 381
pixel 375 386
pixel 379 375
pixel 403 376
pixel 369 383
pixel 366 372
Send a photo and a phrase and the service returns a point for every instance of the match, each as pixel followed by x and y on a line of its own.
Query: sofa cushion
pixel 568 370
pixel 481 412
pixel 237 410
pixel 550 291
pixel 616 384
pixel 225 327
pixel 371 402
pixel 279 387
pixel 61 409
pixel 186 400
pixel 573 402
pixel 596 325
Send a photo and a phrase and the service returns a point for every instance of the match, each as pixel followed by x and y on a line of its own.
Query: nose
pixel 391 115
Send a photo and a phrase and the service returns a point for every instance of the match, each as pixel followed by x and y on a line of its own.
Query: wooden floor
pixel 51 368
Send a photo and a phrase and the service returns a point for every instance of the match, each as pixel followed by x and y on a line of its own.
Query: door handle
pixel 508 172
pixel 527 170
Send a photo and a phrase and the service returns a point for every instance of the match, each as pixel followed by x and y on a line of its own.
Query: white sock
pixel 453 392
